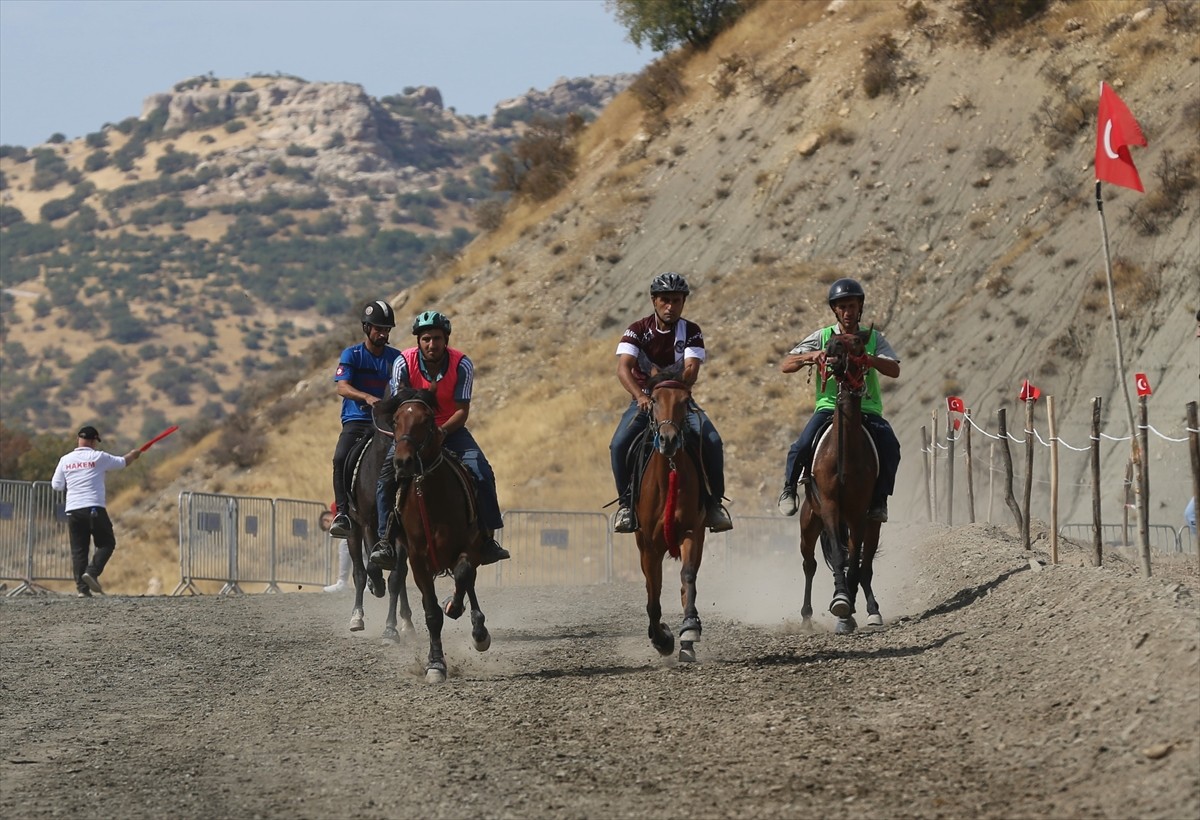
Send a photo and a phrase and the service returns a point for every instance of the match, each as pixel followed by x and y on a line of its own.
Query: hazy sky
pixel 70 66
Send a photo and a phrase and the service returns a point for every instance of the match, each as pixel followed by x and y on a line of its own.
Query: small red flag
pixel 957 424
pixel 1143 384
pixel 1029 392
pixel 955 405
pixel 1116 130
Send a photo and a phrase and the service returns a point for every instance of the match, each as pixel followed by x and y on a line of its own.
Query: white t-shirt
pixel 81 473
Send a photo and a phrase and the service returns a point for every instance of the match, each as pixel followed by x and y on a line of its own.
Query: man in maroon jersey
pixel 663 340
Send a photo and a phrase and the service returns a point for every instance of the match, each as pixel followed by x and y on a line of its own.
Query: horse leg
pixel 810 529
pixel 435 666
pixel 660 635
pixel 867 572
pixel 400 575
pixel 389 629
pixel 454 606
pixel 479 633
pixel 357 613
pixel 689 632
pixel 835 553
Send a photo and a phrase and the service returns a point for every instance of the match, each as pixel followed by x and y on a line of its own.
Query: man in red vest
pixel 434 365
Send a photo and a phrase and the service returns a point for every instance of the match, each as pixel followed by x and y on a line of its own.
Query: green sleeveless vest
pixel 872 400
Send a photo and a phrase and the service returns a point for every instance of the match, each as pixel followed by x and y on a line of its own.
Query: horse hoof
pixel 689 636
pixel 356 622
pixel 840 608
pixel 687 654
pixel 406 626
pixel 435 675
pixel 484 644
pixel 664 641
pixel 875 620
pixel 452 611
pixel 845 626
pixel 390 634
pixel 376 585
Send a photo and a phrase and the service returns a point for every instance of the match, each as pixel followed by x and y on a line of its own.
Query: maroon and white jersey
pixel 660 348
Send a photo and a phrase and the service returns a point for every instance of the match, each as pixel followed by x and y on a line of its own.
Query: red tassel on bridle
pixel 669 512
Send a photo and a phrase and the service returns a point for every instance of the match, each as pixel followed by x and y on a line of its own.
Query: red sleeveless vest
pixel 444 388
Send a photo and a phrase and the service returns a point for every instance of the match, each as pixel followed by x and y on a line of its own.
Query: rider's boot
pixel 340 527
pixel 383 555
pixel 788 502
pixel 623 518
pixel 718 519
pixel 491 552
pixel 878 510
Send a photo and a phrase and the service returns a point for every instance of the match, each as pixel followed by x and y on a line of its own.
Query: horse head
pixel 670 397
pixel 846 360
pixel 414 426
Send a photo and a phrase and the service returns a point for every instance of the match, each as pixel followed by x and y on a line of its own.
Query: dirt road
pixel 994 690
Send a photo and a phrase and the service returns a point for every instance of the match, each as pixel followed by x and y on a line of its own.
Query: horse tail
pixel 828 546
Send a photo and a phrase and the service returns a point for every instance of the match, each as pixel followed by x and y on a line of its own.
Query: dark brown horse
pixel 436 507
pixel 670 514
pixel 844 469
pixel 363 524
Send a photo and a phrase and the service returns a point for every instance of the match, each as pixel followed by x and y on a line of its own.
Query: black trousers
pixel 352 431
pixel 84 526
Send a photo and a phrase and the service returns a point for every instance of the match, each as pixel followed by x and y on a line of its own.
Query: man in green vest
pixel 846 298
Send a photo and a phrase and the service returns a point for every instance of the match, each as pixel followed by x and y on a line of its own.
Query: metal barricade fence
pixel 207 541
pixel 1162 537
pixel 254 540
pixel 303 553
pixel 15 523
pixel 1187 543
pixel 553 547
pixel 49 539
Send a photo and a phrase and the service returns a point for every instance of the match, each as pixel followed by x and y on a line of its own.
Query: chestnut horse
pixel 845 466
pixel 362 531
pixel 436 507
pixel 670 513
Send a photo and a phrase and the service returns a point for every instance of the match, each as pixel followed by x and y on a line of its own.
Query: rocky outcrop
pixel 586 95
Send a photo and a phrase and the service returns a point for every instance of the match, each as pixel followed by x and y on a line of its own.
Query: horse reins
pixel 419 478
pixel 672 474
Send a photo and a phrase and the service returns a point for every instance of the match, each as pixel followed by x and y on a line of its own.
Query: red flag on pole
pixel 1029 392
pixel 955 405
pixel 1143 384
pixel 1116 130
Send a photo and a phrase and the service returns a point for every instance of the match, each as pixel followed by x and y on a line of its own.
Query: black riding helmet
pixel 669 283
pixel 846 287
pixel 378 313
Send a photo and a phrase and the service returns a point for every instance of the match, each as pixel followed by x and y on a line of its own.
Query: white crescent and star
pixel 1143 383
pixel 1108 140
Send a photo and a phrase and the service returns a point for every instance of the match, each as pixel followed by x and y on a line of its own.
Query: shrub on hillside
pixel 663 25
pixel 542 162
pixel 985 20
pixel 172 162
pixel 881 66
pixel 10 215
pixel 660 84
pixel 96 160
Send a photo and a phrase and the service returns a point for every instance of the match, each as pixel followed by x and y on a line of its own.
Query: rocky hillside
pixel 811 141
pixel 160 266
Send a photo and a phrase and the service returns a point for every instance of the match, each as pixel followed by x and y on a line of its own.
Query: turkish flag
pixel 957 424
pixel 955 405
pixel 1143 384
pixel 1116 130
pixel 1029 392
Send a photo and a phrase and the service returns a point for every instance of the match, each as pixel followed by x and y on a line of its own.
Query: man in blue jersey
pixel 846 300
pixel 361 377
pixel 435 366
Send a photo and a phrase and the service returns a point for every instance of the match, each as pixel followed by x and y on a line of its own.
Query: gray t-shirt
pixel 813 342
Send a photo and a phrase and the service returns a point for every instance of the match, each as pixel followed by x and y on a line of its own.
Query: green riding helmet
pixel 431 318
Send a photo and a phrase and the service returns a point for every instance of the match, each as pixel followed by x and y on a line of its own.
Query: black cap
pixel 89 433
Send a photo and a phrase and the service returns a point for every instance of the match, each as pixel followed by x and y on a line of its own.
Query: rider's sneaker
pixel 491 552
pixel 718 519
pixel 383 556
pixel 788 502
pixel 338 586
pixel 878 512
pixel 340 528
pixel 83 593
pixel 93 583
pixel 623 520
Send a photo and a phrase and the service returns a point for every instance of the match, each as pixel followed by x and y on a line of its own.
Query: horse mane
pixel 674 373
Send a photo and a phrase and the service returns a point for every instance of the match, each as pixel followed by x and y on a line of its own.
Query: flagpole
pixel 1135 454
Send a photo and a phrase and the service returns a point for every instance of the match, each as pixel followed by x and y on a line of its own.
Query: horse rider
pixel 449 373
pixel 361 378
pixel 846 299
pixel 661 340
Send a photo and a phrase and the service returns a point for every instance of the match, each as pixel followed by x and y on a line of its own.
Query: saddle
pixel 638 458
pixel 823 434
pixel 465 479
pixel 354 461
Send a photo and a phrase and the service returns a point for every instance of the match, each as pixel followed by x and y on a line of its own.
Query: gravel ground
pixel 997 688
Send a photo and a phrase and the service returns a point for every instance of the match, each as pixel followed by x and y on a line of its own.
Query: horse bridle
pixel 656 425
pixel 421 444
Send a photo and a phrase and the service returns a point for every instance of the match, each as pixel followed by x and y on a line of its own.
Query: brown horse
pixel 844 469
pixel 436 507
pixel 670 514
pixel 362 529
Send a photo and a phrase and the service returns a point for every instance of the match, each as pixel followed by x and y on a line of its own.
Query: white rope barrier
pixel 957 436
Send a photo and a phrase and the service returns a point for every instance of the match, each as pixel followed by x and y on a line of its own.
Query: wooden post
pixel 991 479
pixel 1053 481
pixel 949 469
pixel 1126 489
pixel 970 469
pixel 933 463
pixel 1097 528
pixel 1028 470
pixel 1009 498
pixel 928 498
pixel 1142 489
pixel 1194 451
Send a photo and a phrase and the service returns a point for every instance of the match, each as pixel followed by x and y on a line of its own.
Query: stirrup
pixel 718 519
pixel 383 555
pixel 340 526
pixel 623 520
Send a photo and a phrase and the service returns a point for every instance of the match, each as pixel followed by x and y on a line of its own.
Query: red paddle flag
pixel 1142 384
pixel 1116 130
pixel 1029 392
pixel 955 405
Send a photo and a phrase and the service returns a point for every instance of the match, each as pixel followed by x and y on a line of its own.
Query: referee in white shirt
pixel 81 473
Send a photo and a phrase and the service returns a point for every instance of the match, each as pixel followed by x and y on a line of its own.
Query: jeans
pixel 633 423
pixel 463 444
pixel 801 451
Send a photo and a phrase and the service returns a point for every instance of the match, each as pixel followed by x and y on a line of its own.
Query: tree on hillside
pixel 663 24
